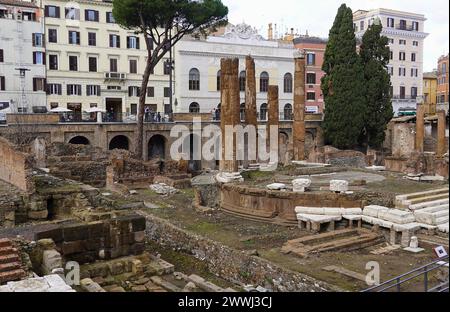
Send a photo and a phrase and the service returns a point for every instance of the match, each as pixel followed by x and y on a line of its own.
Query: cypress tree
pixel 343 84
pixel 374 54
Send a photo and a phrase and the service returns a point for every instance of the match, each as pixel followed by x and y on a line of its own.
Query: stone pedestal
pixel 300 185
pixel 441 142
pixel 298 126
pixel 420 128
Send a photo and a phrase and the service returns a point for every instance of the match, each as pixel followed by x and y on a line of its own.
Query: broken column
pixel 420 128
pixel 250 98
pixel 230 111
pixel 441 142
pixel 273 119
pixel 298 127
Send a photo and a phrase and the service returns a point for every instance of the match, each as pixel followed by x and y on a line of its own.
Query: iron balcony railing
pixel 396 283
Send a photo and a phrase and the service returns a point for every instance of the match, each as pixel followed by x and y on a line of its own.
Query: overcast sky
pixel 317 17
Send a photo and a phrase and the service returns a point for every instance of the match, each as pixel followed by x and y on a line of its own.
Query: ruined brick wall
pixel 339 158
pixel 16 167
pixel 403 139
pixel 230 264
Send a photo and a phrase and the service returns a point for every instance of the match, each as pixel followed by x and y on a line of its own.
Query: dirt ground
pixel 267 239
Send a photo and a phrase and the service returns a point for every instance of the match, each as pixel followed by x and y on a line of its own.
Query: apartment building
pixel 430 92
pixel 93 62
pixel 442 88
pixel 406 33
pixel 22 57
pixel 315 51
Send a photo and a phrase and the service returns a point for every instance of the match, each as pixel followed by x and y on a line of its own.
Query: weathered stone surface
pixel 300 185
pixel 51 260
pixel 420 128
pixel 90 286
pixel 298 126
pixel 338 186
pixel 229 177
pixel 163 189
pixel 441 141
pixel 276 186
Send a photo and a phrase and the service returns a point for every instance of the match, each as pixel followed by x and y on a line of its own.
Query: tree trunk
pixel 139 140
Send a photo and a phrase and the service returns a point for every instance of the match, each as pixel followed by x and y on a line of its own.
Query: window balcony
pixel 115 76
pixel 405 27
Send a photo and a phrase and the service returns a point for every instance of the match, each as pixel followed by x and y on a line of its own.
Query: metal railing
pixel 424 271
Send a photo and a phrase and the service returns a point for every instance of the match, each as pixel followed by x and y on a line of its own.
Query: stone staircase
pixel 430 207
pixel 10 264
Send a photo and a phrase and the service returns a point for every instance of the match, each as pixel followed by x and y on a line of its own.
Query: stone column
pixel 251 113
pixel 230 108
pixel 298 127
pixel 273 112
pixel 420 127
pixel 441 142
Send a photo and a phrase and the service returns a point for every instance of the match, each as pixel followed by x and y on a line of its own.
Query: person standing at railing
pixel 147 114
pixel 158 117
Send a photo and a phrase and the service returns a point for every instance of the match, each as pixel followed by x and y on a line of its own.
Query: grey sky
pixel 318 16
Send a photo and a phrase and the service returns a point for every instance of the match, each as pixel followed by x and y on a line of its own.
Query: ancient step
pixel 425 199
pixel 4 242
pixel 11 266
pixel 11 276
pixel 435 209
pixel 429 204
pixel 9 258
pixel 400 198
pixel 165 284
pixel 7 251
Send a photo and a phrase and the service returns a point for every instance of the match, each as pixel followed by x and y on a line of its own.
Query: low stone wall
pixel 93 241
pixel 230 264
pixel 276 206
pixel 16 167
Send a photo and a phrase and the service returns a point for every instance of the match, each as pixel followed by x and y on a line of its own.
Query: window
pixel 134 91
pixel 413 57
pixel 403 24
pixel 74 37
pixel 414 72
pixel 311 96
pixel 413 92
pixel 91 15
pixel 166 92
pixel 310 59
pixel 263 112
pixel 114 41
pixel 391 55
pixel 37 40
pixel 53 62
pixel 72 13
pixel 133 109
pixel 38 84
pixel 361 25
pixel 110 17
pixel 54 88
pixel 52 11
pixel 288 83
pixel 415 26
pixel 219 73
pixel 288 112
pixel 402 93
pixel 194 108
pixel 1 56
pixel 113 65
pixel 73 89
pixel 2 83
pixel 52 35
pixel 416 43
pixel 390 70
pixel 92 90
pixel 402 56
pixel 133 66
pixel 132 42
pixel 39 58
pixel 73 63
pixel 194 79
pixel 264 82
pixel 242 78
pixel 92 64
pixel 391 41
pixel 92 39
pixel 390 22
pixel 311 78
pixel 402 71
pixel 151 92
pixel 402 42
pixel 167 67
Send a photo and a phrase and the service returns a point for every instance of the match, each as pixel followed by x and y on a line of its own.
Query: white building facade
pixel 197 70
pixel 406 33
pixel 22 57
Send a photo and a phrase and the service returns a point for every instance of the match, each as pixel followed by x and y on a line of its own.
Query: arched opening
pixel 288 112
pixel 194 108
pixel 263 112
pixel 242 111
pixel 194 79
pixel 119 142
pixel 79 140
pixel 288 83
pixel 264 82
pixel 157 147
pixel 242 78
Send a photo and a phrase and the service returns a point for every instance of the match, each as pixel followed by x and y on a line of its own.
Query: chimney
pixel 292 31
pixel 270 34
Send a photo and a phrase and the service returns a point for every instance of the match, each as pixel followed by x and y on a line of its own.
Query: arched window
pixel 264 82
pixel 219 73
pixel 263 112
pixel 288 83
pixel 288 112
pixel 242 77
pixel 242 111
pixel 194 79
pixel 194 108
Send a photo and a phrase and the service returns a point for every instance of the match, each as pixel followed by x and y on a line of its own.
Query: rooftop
pixel 19 3
pixel 307 39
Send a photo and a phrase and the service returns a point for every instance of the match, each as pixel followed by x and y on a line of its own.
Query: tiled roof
pixel 19 3
pixel 304 39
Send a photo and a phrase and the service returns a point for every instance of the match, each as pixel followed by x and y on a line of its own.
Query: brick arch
pixel 120 141
pixel 71 136
pixel 79 140
pixel 157 146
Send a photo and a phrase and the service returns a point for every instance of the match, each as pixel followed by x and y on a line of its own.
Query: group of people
pixel 150 116
pixel 215 114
